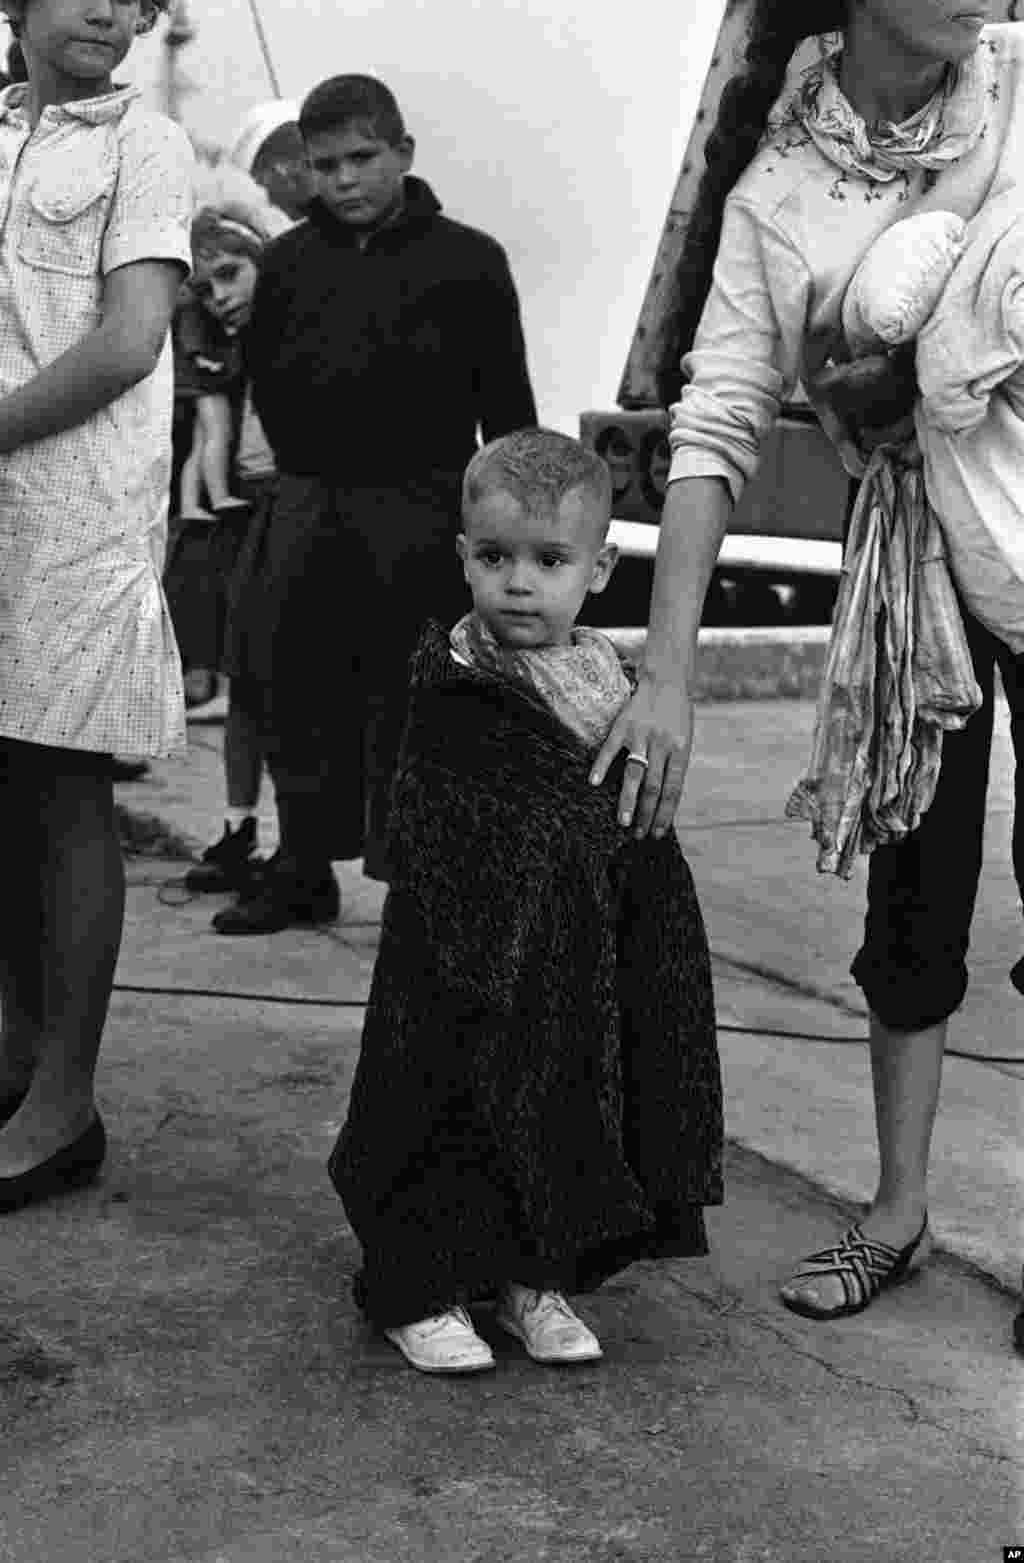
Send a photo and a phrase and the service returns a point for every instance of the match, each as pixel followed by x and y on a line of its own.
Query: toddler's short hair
pixel 346 100
pixel 538 467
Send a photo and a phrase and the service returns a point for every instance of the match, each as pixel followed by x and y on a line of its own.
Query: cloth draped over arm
pixel 897 675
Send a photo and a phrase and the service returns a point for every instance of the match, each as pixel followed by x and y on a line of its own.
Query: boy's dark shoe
pixel 200 687
pixel 281 899
pixel 229 865
pixel 128 770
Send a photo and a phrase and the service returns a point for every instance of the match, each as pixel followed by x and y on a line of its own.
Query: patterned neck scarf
pixel 583 683
pixel 940 133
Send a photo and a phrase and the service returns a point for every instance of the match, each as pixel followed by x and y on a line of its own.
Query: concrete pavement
pixel 183 1378
pixel 782 937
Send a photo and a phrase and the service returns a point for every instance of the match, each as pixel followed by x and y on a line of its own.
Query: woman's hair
pixel 776 29
pixel 149 10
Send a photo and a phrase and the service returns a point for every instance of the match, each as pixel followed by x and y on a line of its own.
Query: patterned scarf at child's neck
pixel 940 133
pixel 583 683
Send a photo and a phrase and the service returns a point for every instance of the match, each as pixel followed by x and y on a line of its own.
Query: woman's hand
pixel 655 727
pixel 873 397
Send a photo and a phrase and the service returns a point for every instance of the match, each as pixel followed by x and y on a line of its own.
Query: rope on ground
pixel 308 1000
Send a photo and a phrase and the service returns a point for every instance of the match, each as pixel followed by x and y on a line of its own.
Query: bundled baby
pixel 957 290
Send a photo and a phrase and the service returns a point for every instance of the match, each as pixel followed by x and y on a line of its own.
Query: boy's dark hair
pixel 149 10
pixel 538 467
pixel 346 100
pixel 776 28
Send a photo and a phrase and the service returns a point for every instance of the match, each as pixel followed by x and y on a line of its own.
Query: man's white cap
pixel 257 125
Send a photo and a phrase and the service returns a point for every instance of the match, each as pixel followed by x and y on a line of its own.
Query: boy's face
pixel 356 175
pixel 78 44
pixel 529 574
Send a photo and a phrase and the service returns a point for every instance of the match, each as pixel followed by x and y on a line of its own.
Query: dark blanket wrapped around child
pixel 538 1089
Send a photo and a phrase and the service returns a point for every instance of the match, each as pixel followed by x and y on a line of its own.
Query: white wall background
pixel 557 126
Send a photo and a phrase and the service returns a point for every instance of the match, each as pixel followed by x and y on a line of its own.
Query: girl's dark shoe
pixel 1017 975
pixel 864 1268
pixel 279 900
pixel 9 1105
pixel 72 1167
pixel 229 865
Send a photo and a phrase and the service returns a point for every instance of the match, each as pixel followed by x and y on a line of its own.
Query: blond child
pixel 537 1100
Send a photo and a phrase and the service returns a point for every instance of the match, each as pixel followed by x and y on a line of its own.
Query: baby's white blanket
pixel 970 417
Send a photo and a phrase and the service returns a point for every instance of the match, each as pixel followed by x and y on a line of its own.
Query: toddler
pixel 537 1100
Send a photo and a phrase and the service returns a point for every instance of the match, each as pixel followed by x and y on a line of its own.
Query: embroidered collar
pixel 90 111
pixel 940 133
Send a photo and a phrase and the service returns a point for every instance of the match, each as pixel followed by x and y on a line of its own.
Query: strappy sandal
pixel 865 1268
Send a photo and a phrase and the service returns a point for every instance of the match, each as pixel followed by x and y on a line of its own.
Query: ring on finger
pixel 637 759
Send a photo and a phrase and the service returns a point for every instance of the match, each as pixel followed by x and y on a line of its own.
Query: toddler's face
pixel 529 574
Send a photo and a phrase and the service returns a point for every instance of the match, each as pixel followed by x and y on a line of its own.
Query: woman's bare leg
pixel 83 914
pixel 906 1069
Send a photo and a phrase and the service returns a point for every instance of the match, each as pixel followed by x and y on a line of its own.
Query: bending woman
pixel 910 99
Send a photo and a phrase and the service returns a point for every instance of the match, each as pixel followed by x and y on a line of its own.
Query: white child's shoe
pixel 444 1343
pixel 546 1325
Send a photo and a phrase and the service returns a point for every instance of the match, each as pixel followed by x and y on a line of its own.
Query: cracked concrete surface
pixel 184 1378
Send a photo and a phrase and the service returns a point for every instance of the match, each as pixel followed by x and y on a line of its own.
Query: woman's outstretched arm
pixel 658 721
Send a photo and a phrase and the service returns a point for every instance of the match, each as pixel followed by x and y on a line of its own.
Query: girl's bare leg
pixel 83 913
pixel 243 756
pixel 213 416
pixel 21 940
pixel 191 495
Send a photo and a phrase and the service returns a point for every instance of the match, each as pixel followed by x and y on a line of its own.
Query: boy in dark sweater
pixel 385 341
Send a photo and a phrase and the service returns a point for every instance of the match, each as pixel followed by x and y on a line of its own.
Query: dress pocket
pixel 63 222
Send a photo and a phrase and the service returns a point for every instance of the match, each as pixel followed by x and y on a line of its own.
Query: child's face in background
pixel 529 574
pixel 224 284
pixel 72 47
pixel 356 175
pixel 281 167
